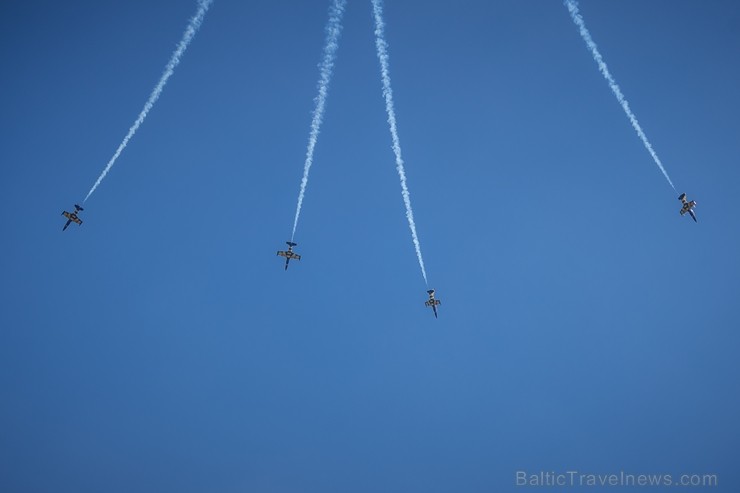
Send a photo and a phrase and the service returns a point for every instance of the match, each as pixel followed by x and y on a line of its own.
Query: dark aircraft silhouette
pixel 432 302
pixel 688 206
pixel 72 216
pixel 289 254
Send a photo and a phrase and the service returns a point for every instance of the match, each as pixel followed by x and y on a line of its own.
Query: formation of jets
pixel 289 254
pixel 72 216
pixel 688 206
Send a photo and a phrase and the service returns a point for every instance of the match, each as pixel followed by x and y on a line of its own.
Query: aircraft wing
pixel 282 254
pixel 296 256
pixel 72 217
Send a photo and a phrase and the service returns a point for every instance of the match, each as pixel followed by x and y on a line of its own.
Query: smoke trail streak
pixel 187 37
pixel 382 48
pixel 333 30
pixel 572 6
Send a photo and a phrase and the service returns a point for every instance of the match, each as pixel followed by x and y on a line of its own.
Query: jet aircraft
pixel 432 302
pixel 688 206
pixel 72 216
pixel 289 254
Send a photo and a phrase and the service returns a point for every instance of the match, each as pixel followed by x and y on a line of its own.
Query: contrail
pixel 333 30
pixel 187 37
pixel 382 47
pixel 578 19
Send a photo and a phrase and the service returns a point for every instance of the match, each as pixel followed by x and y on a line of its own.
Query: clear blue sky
pixel 161 346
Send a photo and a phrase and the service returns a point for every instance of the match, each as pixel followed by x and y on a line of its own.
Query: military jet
pixel 289 254
pixel 688 206
pixel 72 216
pixel 432 302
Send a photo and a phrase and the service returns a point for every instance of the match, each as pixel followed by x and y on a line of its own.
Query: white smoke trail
pixel 382 47
pixel 572 6
pixel 187 37
pixel 333 30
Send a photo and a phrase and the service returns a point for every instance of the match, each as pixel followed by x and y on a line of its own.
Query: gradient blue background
pixel 585 325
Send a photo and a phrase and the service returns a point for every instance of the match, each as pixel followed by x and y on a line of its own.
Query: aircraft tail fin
pixel 291 244
pixel 682 197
